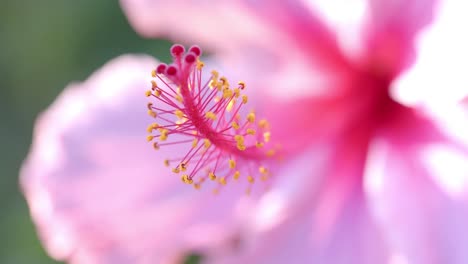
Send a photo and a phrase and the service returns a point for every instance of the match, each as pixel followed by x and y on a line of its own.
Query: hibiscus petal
pixel 278 38
pixel 303 30
pixel 295 18
pixel 424 220
pixel 345 19
pixel 438 75
pixel 213 24
pixel 291 226
pixel 392 27
pixel 406 16
pixel 356 237
pixel 96 189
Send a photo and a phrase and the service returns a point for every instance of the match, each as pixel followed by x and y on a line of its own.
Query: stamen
pixel 192 110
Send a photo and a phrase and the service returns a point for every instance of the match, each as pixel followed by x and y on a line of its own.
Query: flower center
pixel 191 110
pixel 380 109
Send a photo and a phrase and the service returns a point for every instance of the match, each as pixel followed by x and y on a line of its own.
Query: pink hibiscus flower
pixel 361 96
pixel 99 193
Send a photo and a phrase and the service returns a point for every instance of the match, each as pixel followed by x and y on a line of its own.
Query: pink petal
pixel 213 24
pixel 424 221
pixel 392 27
pixel 292 226
pixel 438 75
pixel 407 17
pixel 97 190
pixel 245 34
pixel 301 25
pixel 296 60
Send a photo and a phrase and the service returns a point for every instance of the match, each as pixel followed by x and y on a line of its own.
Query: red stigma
pixel 196 50
pixel 190 58
pixel 161 68
pixel 177 50
pixel 171 70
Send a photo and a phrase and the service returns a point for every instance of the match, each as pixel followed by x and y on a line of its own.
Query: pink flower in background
pixel 362 96
pixel 97 190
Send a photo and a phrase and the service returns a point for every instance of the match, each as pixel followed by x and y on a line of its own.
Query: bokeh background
pixel 44 45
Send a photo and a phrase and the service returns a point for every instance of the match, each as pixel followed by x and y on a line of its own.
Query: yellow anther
pixel 148 93
pixel 237 92
pixel 176 170
pixel 227 93
pixel 223 80
pixel 251 117
pixel 222 180
pixel 215 74
pixel 266 136
pixel 259 144
pixel 271 153
pixel 210 115
pixel 156 145
pixel 163 135
pixel 152 113
pixel 250 131
pixel 157 92
pixel 149 138
pixel 240 146
pixel 230 105
pixel 245 99
pixel 250 179
pixel 154 85
pixel 150 128
pixel 181 121
pixel 232 164
pixel 262 170
pixel 240 142
pixel 236 175
pixel 166 163
pixel 149 106
pixel 200 64
pixel 197 186
pixel 153 73
pixel 264 177
pixel 186 179
pixel 206 143
pixel 235 125
pixel 183 166
pixel 212 176
pixel 213 83
pixel 179 113
pixel 263 124
pixel 219 86
pixel 239 138
pixel 178 97
pixel 195 143
pixel 241 85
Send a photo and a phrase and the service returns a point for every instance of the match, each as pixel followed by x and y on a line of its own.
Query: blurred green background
pixel 43 46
